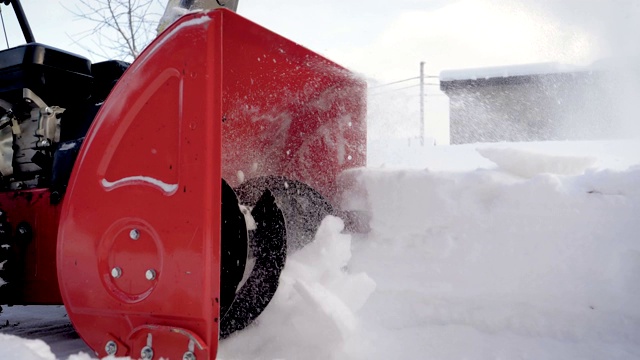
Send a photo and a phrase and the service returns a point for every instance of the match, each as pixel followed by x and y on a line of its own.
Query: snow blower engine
pixel 158 200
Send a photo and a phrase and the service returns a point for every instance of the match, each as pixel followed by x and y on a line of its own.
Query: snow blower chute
pixel 163 222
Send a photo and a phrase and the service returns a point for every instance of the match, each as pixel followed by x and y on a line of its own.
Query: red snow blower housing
pixel 159 210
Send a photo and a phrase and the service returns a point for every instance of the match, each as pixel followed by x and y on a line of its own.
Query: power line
pixel 394 82
pixel 405 80
pixel 403 88
pixel 394 90
pixel 429 95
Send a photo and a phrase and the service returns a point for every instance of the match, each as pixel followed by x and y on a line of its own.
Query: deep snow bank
pixel 527 251
pixel 515 251
pixel 514 260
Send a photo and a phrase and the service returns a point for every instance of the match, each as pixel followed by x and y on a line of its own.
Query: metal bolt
pixel 150 274
pixel 116 272
pixel 111 348
pixel 189 356
pixel 134 234
pixel 146 353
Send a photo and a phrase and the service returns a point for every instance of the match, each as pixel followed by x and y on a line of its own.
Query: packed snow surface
pixel 485 251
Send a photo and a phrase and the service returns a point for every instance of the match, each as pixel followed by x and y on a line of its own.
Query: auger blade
pixel 233 245
pixel 269 248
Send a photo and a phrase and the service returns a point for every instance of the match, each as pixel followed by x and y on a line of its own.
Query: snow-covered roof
pixel 509 71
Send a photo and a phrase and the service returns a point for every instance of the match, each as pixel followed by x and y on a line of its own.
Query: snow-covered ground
pixel 487 251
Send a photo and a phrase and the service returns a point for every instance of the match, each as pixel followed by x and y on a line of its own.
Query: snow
pixel 67 146
pixel 39 332
pixel 529 164
pixel 201 20
pixel 25 349
pixel 480 251
pixel 314 310
pixel 131 180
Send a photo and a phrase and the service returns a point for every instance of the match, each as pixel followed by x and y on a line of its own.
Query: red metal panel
pixel 214 96
pixel 288 111
pixel 144 198
pixel 38 281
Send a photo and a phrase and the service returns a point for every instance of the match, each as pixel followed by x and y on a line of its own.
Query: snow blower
pixel 157 200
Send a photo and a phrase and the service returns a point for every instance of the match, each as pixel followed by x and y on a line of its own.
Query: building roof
pixel 511 74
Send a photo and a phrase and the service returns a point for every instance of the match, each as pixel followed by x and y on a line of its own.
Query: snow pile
pixel 483 264
pixel 528 164
pixel 530 252
pixel 401 154
pixel 13 347
pixel 314 312
pixel 39 332
pixel 525 251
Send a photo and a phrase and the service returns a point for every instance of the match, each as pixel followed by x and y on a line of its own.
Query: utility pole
pixel 422 103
